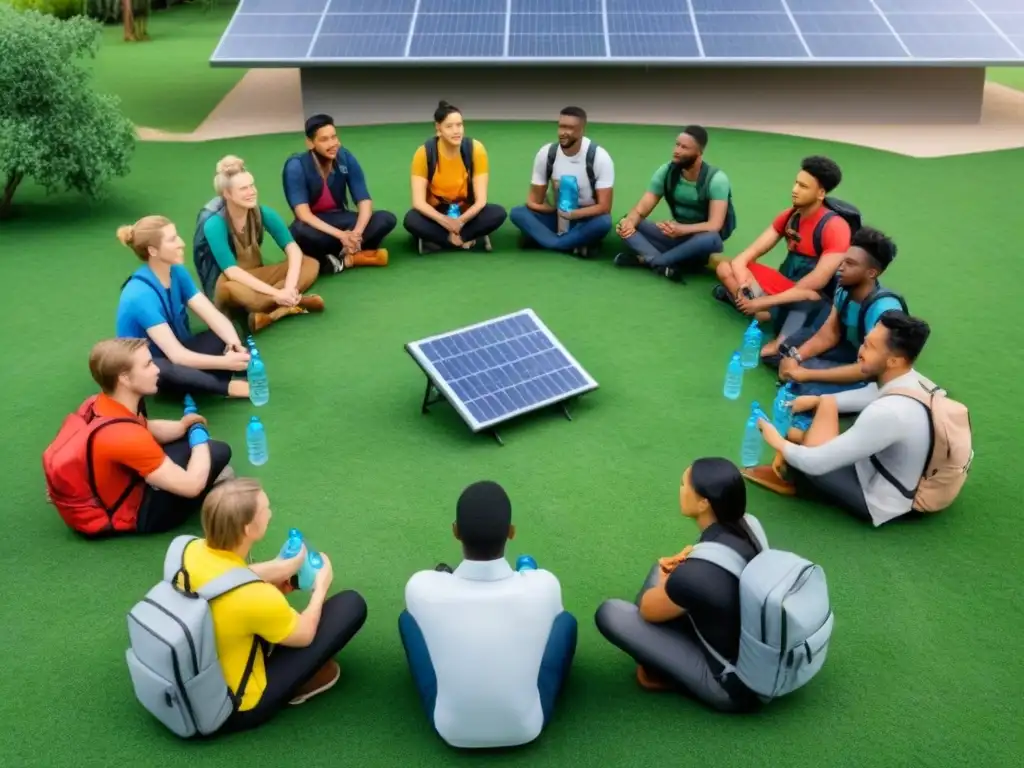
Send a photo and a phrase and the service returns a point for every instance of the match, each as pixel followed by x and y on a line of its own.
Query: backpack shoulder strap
pixel 552 154
pixel 672 175
pixel 875 295
pixel 430 147
pixel 719 554
pixel 924 397
pixel 227 582
pixel 466 148
pixel 174 560
pixel 94 425
pixel 757 529
pixel 591 175
pixel 704 176
pixel 819 232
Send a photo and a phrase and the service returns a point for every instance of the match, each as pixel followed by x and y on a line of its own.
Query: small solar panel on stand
pixel 500 369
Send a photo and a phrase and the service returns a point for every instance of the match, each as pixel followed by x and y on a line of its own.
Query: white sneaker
pixel 487 243
pixel 336 264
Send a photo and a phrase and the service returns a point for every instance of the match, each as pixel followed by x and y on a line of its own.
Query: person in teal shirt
pixel 699 197
pixel 227 250
pixel 824 361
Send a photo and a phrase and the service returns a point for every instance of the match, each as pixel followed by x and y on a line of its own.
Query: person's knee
pixel 497 214
pixel 350 608
pixel 518 215
pixel 413 220
pixel 613 616
pixel 384 221
pixel 602 225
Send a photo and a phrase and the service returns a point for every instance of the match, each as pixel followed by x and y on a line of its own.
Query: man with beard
pixel 317 184
pixel 825 361
pixel 541 220
pixel 699 197
pixel 866 469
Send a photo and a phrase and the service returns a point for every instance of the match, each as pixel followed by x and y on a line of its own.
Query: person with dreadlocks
pixel 699 198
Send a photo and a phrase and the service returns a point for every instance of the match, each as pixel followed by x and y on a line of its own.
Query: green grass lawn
pixel 923 669
pixel 1012 77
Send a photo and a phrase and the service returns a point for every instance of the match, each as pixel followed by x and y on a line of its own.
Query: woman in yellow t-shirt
pixel 449 189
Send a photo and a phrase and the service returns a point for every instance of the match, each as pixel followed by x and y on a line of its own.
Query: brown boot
pixel 258 321
pixel 650 681
pixel 378 258
pixel 772 477
pixel 323 680
pixel 311 303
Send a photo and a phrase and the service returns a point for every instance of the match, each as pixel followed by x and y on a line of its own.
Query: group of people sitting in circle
pixel 840 339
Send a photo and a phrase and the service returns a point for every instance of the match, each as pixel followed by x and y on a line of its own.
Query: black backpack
pixel 833 207
pixel 591 154
pixel 707 172
pixel 862 317
pixel 202 256
pixel 466 150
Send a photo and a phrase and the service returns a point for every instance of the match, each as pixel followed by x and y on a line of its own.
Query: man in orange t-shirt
pixel 168 465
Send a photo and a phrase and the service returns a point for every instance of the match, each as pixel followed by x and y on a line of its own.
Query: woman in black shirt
pixel 658 630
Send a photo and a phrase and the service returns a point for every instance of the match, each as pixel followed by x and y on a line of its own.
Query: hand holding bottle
pixel 197 435
pixel 324 576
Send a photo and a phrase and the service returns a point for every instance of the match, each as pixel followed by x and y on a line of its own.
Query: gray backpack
pixel 785 616
pixel 173 658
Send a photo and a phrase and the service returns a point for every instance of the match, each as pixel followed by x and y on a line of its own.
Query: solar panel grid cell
pixel 363 31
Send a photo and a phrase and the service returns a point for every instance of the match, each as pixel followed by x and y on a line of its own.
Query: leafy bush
pixel 62 9
pixel 54 128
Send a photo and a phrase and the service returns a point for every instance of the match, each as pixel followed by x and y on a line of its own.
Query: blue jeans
pixel 542 228
pixel 660 250
pixel 554 665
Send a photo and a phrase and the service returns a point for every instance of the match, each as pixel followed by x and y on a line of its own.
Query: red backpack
pixel 70 477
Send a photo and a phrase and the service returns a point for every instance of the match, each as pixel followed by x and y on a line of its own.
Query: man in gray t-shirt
pixel 894 430
pixel 579 230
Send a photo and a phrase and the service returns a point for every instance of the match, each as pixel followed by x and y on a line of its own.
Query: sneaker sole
pixel 316 692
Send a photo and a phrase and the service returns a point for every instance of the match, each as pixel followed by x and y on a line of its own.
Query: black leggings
pixel 180 380
pixel 319 244
pixel 288 669
pixel 162 511
pixel 671 650
pixel 484 223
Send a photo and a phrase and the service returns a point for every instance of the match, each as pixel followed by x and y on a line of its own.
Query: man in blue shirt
pixel 317 184
pixel 824 361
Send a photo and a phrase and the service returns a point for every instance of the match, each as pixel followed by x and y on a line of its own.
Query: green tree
pixel 54 127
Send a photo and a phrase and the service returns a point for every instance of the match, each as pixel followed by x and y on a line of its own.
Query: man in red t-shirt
pixel 816 240
pixel 171 465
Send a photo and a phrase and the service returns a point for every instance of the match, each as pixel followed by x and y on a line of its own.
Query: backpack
pixel 71 480
pixel 202 255
pixel 785 617
pixel 465 150
pixel 950 452
pixel 591 154
pixel 707 172
pixel 862 317
pixel 172 657
pixel 833 207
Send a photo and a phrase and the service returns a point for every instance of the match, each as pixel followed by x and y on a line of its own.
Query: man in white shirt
pixel 489 648
pixel 541 220
pixel 891 431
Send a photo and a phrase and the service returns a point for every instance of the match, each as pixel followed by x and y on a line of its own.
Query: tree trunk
pixel 5 202
pixel 128 16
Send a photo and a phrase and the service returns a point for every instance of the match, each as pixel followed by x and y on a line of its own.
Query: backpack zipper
pixel 184 629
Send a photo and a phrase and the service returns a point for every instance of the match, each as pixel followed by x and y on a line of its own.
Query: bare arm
pixel 309 620
pixel 240 276
pixel 419 200
pixel 278 570
pixel 843 374
pixel 826 337
pixel 364 210
pixel 717 210
pixel 764 243
pixel 293 253
pixel 788 296
pixel 186 483
pixel 602 204
pixel 305 214
pixel 655 605
pixel 822 273
pixel 215 320
pixel 479 183
pixel 536 199
pixel 166 431
pixel 647 203
pixel 177 353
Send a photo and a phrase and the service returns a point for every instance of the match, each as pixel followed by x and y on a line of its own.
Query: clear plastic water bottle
pixel 526 563
pixel 259 385
pixel 307 573
pixel 733 377
pixel 256 442
pixel 782 409
pixel 250 342
pixel 293 545
pixel 752 339
pixel 190 405
pixel 454 211
pixel 753 443
pixel 568 200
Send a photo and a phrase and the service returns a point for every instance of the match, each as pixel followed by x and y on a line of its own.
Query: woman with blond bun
pixel 154 305
pixel 228 255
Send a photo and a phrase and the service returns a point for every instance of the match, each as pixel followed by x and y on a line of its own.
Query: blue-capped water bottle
pixel 752 338
pixel 259 385
pixel 292 545
pixel 782 409
pixel 256 442
pixel 190 405
pixel 454 211
pixel 568 200
pixel 525 563
pixel 733 377
pixel 753 443
pixel 250 342
pixel 307 573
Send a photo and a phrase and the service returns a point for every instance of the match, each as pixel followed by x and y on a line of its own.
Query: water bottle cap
pixel 255 420
pixel 294 533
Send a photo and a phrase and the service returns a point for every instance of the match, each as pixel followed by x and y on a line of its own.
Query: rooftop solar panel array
pixel 352 32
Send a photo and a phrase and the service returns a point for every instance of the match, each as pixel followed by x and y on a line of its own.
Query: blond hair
pixel 112 358
pixel 228 509
pixel 146 233
pixel 227 168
